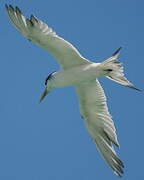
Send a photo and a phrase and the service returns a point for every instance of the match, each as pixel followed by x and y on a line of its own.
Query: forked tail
pixel 114 70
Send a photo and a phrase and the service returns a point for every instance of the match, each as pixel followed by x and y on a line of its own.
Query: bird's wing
pixel 93 109
pixel 39 32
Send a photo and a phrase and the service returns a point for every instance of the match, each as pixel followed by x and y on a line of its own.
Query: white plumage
pixel 83 74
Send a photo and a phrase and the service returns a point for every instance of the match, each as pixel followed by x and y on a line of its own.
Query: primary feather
pixel 39 33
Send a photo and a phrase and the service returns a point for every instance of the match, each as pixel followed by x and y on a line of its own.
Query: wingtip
pixel 119 174
pixel 6 6
pixel 10 6
pixel 18 10
pixel 132 87
pixel 33 18
pixel 117 51
pixel 39 102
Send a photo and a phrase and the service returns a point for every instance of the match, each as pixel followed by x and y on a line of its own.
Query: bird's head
pixel 47 88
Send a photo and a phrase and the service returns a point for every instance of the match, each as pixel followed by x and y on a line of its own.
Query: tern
pixel 82 74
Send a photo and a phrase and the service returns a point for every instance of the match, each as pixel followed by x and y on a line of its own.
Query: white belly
pixel 76 75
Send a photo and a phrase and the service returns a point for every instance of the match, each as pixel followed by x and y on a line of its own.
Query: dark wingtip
pixel 6 6
pixel 32 24
pixel 119 174
pixel 117 51
pixel 33 17
pixel 11 7
pixel 18 10
pixel 132 87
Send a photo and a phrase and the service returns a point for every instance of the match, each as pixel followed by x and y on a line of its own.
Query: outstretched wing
pixel 38 32
pixel 93 108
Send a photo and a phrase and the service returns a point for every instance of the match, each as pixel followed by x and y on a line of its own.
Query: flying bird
pixel 82 74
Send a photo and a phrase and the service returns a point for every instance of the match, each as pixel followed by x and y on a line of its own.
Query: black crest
pixel 49 77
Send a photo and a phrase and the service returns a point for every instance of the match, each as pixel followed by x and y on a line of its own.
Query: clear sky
pixel 49 141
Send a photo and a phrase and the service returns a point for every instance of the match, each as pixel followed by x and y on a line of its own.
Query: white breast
pixel 76 75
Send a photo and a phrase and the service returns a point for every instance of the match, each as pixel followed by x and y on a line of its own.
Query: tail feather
pixel 115 71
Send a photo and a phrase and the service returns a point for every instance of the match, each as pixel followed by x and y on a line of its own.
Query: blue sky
pixel 49 140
